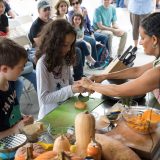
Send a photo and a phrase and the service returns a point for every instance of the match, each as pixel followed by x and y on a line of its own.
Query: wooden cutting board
pixel 141 144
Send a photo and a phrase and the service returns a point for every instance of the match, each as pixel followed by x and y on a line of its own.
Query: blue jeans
pixel 120 3
pixel 101 38
pixel 98 37
pixel 78 67
pixel 92 42
pixel 19 84
pixel 84 50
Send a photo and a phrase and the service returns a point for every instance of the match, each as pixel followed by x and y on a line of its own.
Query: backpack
pixel 102 53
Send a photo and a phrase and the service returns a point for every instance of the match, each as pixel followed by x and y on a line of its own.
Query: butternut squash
pixel 84 131
pixel 61 144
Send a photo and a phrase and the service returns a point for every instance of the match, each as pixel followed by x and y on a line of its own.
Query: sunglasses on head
pixel 75 3
pixel 47 9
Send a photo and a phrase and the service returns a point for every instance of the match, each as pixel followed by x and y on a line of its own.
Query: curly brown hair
pixel 51 40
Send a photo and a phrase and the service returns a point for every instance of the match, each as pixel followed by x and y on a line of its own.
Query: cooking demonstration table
pixel 64 115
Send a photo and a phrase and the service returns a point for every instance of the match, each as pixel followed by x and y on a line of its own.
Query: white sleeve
pixel 45 96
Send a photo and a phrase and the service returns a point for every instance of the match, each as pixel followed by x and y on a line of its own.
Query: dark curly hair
pixel 70 1
pixel 51 40
pixel 81 17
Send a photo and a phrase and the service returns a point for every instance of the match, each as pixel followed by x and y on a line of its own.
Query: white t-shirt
pixel 52 87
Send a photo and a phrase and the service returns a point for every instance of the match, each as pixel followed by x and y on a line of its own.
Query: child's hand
pixel 17 128
pixel 77 88
pixel 118 32
pixel 27 119
pixel 86 82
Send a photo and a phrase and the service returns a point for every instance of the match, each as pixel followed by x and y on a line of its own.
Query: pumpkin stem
pixel 86 112
pixel 29 153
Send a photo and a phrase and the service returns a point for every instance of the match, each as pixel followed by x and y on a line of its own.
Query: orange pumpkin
pixel 94 150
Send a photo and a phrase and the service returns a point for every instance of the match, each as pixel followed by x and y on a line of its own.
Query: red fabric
pixel 3 33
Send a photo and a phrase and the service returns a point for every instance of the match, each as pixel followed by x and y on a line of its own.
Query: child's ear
pixel 3 68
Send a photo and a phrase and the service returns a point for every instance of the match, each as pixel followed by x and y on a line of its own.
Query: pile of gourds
pixel 87 144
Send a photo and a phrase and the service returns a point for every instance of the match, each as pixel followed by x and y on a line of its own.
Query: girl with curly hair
pixel 55 57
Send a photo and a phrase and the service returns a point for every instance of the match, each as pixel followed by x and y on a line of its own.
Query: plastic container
pixel 139 120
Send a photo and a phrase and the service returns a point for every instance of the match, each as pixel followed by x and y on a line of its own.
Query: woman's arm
pixel 147 82
pixel 129 73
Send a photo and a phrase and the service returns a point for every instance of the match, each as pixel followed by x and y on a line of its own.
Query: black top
pixel 3 23
pixel 9 108
pixel 35 29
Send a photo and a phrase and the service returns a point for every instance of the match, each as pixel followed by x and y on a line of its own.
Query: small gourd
pixel 94 150
pixel 61 144
pixel 84 131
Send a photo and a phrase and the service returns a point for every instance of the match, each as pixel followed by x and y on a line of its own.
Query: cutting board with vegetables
pixel 146 146
pixel 64 115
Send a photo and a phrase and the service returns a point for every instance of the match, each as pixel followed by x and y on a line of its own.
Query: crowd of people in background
pixel 63 43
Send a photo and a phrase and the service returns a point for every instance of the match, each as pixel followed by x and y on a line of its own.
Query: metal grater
pixel 12 142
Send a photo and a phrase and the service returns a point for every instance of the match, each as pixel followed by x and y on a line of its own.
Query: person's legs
pixel 109 35
pixel 121 4
pixel 93 45
pixel 31 56
pixel 32 78
pixel 84 50
pixel 122 43
pixel 117 3
pixel 19 88
pixel 89 47
pixel 101 38
pixel 135 21
pixel 78 67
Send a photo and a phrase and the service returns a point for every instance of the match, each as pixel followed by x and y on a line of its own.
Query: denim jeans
pixel 98 37
pixel 78 67
pixel 120 3
pixel 19 84
pixel 92 41
pixel 84 50
pixel 104 39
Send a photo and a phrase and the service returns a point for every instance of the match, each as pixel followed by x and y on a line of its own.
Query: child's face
pixel 63 7
pixel 106 3
pixel 67 44
pixel 12 74
pixel 2 8
pixel 77 20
